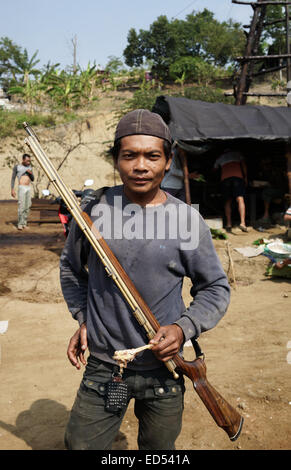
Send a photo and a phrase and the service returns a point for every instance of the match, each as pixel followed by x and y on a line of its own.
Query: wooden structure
pixel 44 211
pixel 241 89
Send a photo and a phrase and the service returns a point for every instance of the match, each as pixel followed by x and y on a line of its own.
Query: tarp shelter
pixel 204 129
pixel 198 122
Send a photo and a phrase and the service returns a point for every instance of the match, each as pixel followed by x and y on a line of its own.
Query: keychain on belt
pixel 117 389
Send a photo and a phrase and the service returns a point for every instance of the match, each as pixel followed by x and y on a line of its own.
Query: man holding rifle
pixel 155 252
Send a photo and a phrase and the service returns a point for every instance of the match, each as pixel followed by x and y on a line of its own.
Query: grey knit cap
pixel 142 121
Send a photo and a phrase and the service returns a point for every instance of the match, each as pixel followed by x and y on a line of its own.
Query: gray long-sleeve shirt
pixel 155 262
pixel 20 170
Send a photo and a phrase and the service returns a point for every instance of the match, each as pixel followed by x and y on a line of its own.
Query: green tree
pixel 133 52
pixel 199 35
pixel 114 65
pixel 157 45
pixel 15 63
pixel 9 55
pixel 274 35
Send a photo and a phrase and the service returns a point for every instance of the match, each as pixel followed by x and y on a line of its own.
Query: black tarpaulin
pixel 199 122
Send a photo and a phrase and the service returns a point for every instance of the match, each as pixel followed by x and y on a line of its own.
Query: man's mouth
pixel 140 180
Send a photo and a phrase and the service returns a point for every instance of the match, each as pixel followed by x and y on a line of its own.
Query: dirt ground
pixel 246 354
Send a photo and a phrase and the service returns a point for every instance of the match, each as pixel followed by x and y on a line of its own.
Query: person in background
pixel 233 183
pixel 23 172
pixel 281 264
pixel 287 220
pixel 173 181
pixel 287 216
pixel 275 189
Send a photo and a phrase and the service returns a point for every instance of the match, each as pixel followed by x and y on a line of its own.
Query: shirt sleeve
pixel 73 272
pixel 210 289
pixel 31 175
pixel 14 171
pixel 176 168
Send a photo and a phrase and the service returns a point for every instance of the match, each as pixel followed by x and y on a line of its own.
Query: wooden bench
pixel 44 211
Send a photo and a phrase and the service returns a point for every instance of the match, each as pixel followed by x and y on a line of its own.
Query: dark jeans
pixel 158 406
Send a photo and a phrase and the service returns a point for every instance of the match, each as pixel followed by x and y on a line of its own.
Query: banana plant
pixel 88 82
pixel 25 66
pixel 31 91
pixel 64 90
pixel 181 80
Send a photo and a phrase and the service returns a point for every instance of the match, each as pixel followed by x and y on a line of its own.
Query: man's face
pixel 142 164
pixel 26 161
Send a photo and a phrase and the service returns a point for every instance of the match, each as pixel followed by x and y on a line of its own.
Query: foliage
pixel 195 69
pixel 218 234
pixel 10 121
pixel 25 66
pixel 199 35
pixel 143 98
pixel 15 64
pixel 278 85
pixel 58 88
pixel 30 91
pixel 275 35
pixel 9 53
pixel 64 90
pixel 114 65
pixel 208 94
pixel 88 82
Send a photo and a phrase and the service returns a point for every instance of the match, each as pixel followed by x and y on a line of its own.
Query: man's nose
pixel 140 164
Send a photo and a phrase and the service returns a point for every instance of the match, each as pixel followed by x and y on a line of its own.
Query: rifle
pixel 222 412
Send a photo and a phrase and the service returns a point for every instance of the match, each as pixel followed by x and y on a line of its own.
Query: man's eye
pixel 127 155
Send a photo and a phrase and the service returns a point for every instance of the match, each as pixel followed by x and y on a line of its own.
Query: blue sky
pixel 101 27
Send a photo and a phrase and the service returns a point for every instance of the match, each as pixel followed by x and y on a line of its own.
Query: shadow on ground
pixel 42 427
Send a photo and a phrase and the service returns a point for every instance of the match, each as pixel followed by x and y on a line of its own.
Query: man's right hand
pixel 13 193
pixel 77 347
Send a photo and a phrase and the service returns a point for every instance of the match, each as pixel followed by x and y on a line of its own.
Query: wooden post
pixel 287 42
pixel 241 88
pixel 184 162
pixel 251 49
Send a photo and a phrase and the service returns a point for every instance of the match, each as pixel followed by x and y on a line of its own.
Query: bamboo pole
pixel 231 264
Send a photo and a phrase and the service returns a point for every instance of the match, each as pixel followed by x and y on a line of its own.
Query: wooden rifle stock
pixel 224 415
pixel 222 412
